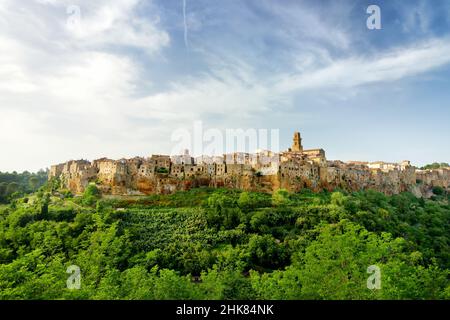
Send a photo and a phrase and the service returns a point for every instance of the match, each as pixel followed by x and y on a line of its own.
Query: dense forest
pixel 15 185
pixel 225 244
pixel 435 165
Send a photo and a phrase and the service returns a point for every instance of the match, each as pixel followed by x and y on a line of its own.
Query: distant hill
pixel 435 165
pixel 18 184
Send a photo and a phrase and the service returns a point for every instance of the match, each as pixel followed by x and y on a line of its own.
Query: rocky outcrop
pixel 144 176
pixel 266 171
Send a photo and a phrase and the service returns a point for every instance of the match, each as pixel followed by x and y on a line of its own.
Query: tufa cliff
pixel 264 171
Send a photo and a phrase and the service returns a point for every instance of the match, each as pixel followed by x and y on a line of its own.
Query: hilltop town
pixel 264 171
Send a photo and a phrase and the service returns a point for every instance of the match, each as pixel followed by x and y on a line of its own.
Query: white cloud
pixel 65 95
pixel 306 26
pixel 71 93
pixel 115 23
pixel 418 17
pixel 357 71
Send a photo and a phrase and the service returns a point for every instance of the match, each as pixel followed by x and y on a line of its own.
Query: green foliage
pixel 266 252
pixel 14 185
pixel 248 201
pixel 162 170
pixel 91 195
pixel 435 165
pixel 334 266
pixel 439 191
pixel 223 211
pixel 337 198
pixel 280 197
pixel 244 201
pixel 91 191
pixel 225 244
pixel 225 285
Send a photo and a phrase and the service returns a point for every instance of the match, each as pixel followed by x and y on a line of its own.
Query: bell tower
pixel 297 143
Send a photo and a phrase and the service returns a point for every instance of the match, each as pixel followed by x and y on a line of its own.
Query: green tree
pixel 34 183
pixel 280 197
pixel 91 194
pixel 244 201
pixel 335 266
pixel 12 187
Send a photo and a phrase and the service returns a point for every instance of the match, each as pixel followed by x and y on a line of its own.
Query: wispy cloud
pixel 361 70
pixel 61 86
pixel 96 90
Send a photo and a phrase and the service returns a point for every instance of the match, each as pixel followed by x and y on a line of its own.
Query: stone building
pixel 266 171
pixel 185 158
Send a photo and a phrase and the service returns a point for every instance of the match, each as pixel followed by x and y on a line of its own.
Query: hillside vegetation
pixel 15 185
pixel 435 165
pixel 225 244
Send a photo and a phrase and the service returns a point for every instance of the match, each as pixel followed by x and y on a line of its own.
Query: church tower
pixel 297 143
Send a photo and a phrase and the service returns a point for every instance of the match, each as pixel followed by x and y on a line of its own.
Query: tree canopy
pixel 225 244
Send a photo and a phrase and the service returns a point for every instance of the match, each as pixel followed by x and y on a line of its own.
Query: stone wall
pixel 265 171
pixel 141 176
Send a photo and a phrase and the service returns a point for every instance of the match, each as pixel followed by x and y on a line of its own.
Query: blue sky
pixel 121 77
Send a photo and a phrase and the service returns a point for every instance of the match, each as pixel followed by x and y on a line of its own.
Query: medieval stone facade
pixel 264 171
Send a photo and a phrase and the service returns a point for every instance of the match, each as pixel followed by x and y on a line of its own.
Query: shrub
pixel 162 170
pixel 280 197
pixel 245 202
pixel 66 193
pixel 90 195
pixel 439 191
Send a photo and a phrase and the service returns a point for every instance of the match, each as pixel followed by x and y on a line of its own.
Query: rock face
pixel 265 171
